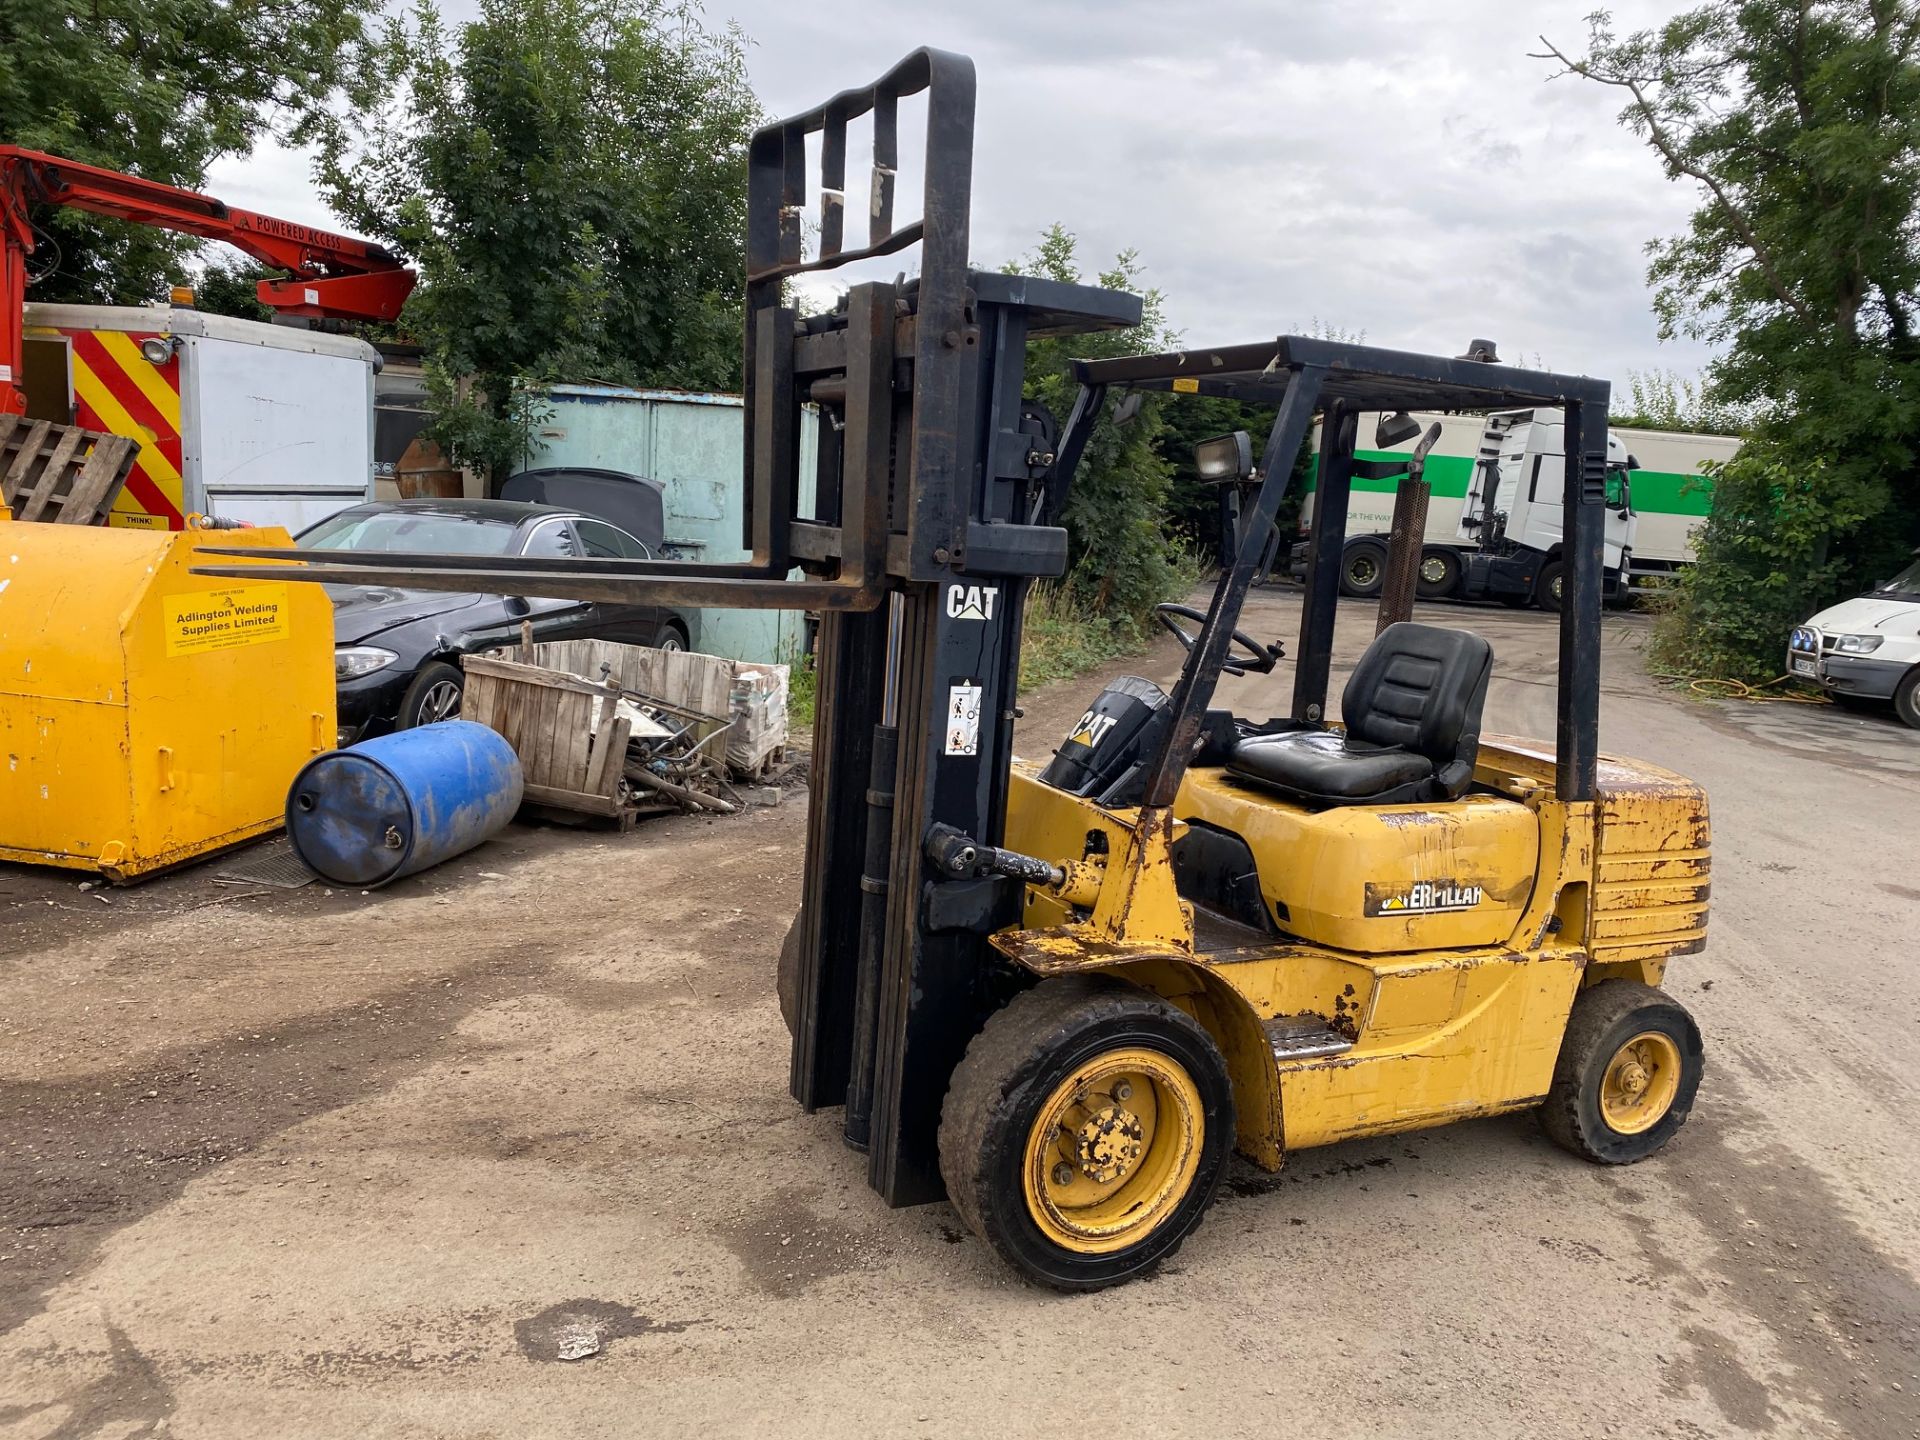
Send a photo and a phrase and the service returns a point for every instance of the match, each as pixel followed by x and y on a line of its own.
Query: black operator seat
pixel 1412 711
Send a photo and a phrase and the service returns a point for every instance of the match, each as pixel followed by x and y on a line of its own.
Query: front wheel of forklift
pixel 1086 1130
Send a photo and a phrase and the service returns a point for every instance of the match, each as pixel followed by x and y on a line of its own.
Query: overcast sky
pixel 1397 168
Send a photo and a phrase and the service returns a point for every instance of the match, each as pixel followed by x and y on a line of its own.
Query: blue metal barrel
pixel 393 805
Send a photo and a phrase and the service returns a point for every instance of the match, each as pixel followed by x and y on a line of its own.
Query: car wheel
pixel 433 696
pixel 1439 574
pixel 1906 698
pixel 670 636
pixel 1363 570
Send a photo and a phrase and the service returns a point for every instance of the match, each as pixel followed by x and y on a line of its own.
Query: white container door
pixel 276 437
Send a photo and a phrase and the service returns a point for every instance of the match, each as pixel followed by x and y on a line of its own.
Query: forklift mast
pixel 933 508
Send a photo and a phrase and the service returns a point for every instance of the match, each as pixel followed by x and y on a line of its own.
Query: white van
pixel 1866 651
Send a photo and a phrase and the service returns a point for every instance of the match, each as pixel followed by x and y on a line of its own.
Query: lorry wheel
pixel 1086 1130
pixel 1906 698
pixel 1629 1067
pixel 1551 588
pixel 1439 575
pixel 434 695
pixel 1363 569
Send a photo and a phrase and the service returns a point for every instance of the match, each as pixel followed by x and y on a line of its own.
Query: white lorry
pixel 246 421
pixel 1657 476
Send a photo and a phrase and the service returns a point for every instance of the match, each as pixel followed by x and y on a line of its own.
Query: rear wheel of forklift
pixel 1630 1065
pixel 1086 1130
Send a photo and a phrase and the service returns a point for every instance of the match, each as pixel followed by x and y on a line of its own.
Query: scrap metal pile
pixel 623 731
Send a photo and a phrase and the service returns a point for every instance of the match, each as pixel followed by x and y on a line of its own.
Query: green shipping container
pixel 693 444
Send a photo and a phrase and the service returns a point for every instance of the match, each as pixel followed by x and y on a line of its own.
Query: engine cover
pixel 1105 757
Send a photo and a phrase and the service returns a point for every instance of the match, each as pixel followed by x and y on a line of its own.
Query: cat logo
pixel 1091 730
pixel 971 602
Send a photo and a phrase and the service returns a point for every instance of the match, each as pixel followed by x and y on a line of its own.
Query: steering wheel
pixel 1259 659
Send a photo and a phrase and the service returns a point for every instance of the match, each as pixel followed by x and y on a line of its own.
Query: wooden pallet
pixel 61 473
pixel 547 717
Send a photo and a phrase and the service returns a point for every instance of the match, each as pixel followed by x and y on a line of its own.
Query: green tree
pixel 1661 399
pixel 227 285
pixel 162 89
pixel 1799 122
pixel 1193 504
pixel 1120 547
pixel 570 176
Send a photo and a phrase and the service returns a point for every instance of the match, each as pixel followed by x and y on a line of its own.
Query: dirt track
pixel 321 1165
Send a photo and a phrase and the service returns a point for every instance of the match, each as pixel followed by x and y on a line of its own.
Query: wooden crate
pixel 547 717
pixel 700 687
pixel 61 473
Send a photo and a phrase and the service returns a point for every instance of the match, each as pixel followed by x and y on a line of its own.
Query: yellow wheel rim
pixel 1640 1083
pixel 1113 1151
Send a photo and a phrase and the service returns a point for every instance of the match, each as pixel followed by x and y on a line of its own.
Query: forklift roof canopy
pixel 1367 377
pixel 1300 375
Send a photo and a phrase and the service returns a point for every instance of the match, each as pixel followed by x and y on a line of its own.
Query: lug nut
pixel 1063 1174
pixel 1123 1092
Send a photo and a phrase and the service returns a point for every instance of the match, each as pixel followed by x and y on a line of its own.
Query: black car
pixel 396 652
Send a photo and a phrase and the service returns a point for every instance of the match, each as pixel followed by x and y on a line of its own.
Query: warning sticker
pixel 963 719
pixel 223 619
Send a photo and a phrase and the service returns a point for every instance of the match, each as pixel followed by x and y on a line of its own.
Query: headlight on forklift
pixel 1859 644
pixel 350 662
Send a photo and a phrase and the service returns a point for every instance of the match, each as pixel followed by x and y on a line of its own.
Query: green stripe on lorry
pixel 1655 492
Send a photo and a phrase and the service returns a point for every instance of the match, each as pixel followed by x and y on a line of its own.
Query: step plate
pixel 1304 1037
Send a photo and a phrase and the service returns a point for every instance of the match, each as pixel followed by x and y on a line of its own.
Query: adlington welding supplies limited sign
pixel 225 619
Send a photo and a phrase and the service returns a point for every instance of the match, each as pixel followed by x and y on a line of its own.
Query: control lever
pixel 955 853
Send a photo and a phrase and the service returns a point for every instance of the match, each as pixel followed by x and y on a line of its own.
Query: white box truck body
pixel 246 421
pixel 1664 478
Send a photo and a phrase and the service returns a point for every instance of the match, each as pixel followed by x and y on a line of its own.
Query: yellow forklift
pixel 1062 995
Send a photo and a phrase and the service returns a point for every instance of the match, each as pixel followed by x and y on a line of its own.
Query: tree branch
pixel 1669 150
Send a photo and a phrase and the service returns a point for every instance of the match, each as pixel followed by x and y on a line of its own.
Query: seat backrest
pixel 1422 688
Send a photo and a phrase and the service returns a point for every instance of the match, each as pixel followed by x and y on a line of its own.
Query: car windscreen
pixel 1905 585
pixel 414 530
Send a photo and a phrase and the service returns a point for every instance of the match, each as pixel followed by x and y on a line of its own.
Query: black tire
pixel 1906 698
pixel 1000 1089
pixel 1443 566
pixel 1604 1021
pixel 1363 569
pixel 426 699
pixel 787 977
pixel 1551 588
pixel 671 635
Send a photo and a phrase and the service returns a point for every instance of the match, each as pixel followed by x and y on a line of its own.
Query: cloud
pixel 1397 168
